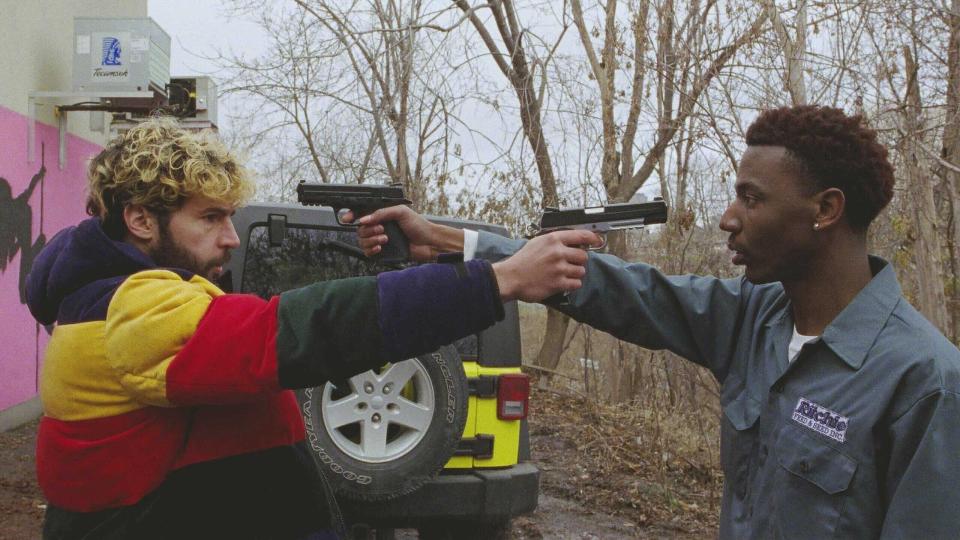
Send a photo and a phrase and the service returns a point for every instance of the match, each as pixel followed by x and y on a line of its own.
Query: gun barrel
pixel 629 224
pixel 619 216
pixel 313 194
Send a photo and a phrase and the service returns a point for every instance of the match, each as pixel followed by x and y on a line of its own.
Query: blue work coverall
pixel 858 437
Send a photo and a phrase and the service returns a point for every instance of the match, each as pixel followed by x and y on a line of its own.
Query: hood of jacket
pixel 75 258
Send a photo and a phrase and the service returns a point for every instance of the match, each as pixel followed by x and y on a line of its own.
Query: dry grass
pixel 652 458
pixel 609 459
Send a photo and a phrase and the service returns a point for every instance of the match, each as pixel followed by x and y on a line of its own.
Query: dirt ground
pixel 597 480
pixel 595 483
pixel 21 504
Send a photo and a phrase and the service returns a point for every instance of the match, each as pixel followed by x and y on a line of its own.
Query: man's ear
pixel 142 225
pixel 831 204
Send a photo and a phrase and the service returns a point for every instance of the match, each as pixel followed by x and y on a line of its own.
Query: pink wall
pixel 56 202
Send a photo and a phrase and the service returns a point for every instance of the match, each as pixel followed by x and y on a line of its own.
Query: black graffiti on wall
pixel 16 220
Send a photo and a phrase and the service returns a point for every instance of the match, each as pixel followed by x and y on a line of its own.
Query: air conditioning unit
pixel 120 55
pixel 121 66
pixel 193 99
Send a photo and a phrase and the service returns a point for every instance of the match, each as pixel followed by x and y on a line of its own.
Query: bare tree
pixel 645 95
pixel 794 49
pixel 906 100
pixel 512 60
pixel 929 261
pixel 360 86
pixel 689 53
pixel 949 165
pixel 515 65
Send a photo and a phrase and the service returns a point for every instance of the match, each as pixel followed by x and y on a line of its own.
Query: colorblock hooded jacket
pixel 156 385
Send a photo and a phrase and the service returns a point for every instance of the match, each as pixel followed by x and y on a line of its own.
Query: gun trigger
pixel 338 214
pixel 601 246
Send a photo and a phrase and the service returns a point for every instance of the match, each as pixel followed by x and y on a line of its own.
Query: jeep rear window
pixel 308 255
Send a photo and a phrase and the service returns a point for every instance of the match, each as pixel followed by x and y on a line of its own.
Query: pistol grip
pixel 557 300
pixel 397 249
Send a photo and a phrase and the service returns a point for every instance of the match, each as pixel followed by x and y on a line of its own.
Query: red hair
pixel 834 151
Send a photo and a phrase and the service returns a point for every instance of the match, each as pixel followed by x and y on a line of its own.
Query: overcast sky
pixel 200 28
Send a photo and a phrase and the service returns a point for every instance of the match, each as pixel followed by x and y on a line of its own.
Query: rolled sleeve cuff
pixel 469 244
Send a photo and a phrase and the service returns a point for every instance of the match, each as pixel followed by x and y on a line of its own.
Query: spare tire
pixel 383 433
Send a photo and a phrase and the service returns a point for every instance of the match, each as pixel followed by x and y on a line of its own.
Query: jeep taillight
pixel 513 392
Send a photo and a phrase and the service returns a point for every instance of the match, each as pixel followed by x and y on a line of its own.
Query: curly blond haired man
pixel 167 403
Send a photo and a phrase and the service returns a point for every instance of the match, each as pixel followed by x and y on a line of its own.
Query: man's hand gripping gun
pixel 602 219
pixel 362 199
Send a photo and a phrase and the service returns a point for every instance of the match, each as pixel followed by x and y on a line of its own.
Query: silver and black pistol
pixel 602 219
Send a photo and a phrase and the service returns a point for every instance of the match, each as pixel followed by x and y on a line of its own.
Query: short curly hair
pixel 833 150
pixel 159 164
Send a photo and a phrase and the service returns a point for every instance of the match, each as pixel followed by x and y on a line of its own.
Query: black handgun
pixel 362 199
pixel 602 219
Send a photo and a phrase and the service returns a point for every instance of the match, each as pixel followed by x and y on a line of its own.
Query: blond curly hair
pixel 159 165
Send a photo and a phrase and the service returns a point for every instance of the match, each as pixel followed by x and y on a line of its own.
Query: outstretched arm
pixel 544 266
pixel 699 318
pixel 27 193
pixel 198 346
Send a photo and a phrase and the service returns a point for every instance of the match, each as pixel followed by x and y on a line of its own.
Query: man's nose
pixel 728 221
pixel 229 239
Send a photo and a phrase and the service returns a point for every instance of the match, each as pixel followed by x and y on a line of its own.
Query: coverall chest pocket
pixel 738 441
pixel 813 479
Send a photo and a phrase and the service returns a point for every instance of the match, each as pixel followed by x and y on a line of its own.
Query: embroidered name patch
pixel 821 419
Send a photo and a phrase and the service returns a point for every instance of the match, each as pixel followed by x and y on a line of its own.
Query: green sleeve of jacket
pixel 328 331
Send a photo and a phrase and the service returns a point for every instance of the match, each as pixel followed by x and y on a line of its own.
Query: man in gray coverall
pixel 841 403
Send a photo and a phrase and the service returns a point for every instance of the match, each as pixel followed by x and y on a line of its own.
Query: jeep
pixel 438 443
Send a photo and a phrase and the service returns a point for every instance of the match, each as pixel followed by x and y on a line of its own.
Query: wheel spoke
pixel 356 382
pixel 412 415
pixel 399 374
pixel 342 412
pixel 373 441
